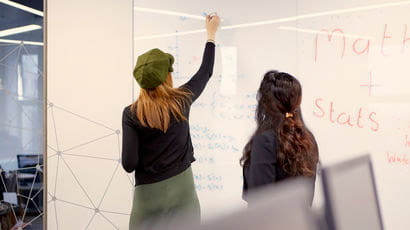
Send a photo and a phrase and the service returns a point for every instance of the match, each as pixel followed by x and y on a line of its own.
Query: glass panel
pixel 21 114
pixel 350 56
pixel 222 119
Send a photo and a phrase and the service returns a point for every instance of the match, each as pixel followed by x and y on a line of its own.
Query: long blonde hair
pixel 154 107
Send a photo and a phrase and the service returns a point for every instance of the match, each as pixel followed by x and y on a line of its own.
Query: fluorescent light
pixel 21 42
pixel 310 31
pixel 287 19
pixel 18 30
pixel 22 7
pixel 172 13
pixel 170 34
pixel 167 12
pixel 319 14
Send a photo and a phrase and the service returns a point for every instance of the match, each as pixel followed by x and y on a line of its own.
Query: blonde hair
pixel 154 107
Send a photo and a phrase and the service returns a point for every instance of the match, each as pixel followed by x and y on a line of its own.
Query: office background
pixel 351 57
pixel 21 114
pixel 354 99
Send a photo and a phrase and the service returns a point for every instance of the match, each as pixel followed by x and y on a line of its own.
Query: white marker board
pixel 355 82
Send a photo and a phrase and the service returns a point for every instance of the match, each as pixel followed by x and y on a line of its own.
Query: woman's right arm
pixel 198 82
pixel 129 143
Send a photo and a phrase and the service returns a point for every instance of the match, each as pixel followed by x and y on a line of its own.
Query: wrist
pixel 211 41
pixel 211 37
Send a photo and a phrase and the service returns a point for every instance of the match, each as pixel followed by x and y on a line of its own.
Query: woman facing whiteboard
pixel 282 146
pixel 156 138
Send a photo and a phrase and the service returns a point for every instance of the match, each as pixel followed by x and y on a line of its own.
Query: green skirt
pixel 166 203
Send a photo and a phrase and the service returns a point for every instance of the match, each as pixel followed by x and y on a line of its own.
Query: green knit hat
pixel 152 68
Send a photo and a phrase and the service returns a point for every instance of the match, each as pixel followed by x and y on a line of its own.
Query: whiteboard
pixel 350 56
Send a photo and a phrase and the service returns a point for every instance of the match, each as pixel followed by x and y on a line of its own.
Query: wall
pixel 89 83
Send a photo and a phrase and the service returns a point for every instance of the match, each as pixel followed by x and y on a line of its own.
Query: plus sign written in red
pixel 370 85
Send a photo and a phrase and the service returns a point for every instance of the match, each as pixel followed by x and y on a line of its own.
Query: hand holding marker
pixel 212 24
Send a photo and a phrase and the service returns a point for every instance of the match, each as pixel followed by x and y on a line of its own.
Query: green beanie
pixel 152 68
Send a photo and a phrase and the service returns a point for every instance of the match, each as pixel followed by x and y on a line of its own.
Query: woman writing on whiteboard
pixel 156 138
pixel 282 146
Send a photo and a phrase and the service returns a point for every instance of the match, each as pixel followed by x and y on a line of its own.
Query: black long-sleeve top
pixel 263 168
pixel 153 154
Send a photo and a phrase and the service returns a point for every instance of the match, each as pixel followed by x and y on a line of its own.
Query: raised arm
pixel 198 82
pixel 129 143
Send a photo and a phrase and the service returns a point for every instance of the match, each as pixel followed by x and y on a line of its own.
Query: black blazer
pixel 263 166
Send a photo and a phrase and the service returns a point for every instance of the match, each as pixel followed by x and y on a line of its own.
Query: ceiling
pixel 11 17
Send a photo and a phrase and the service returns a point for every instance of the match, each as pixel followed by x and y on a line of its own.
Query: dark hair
pixel 279 97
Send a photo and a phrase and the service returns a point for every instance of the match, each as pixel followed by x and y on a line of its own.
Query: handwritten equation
pixel 205 140
pixel 208 182
pixel 225 107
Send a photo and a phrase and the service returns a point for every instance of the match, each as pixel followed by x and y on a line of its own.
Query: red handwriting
pixel 329 38
pixel 360 119
pixel 359 46
pixel 399 159
pixel 384 38
pixel 370 85
pixel 366 48
pixel 405 39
